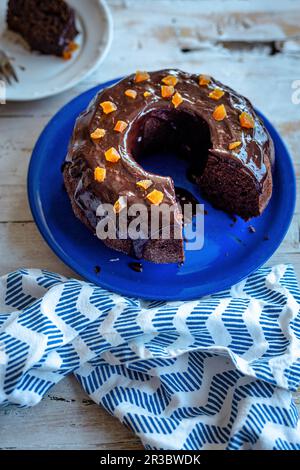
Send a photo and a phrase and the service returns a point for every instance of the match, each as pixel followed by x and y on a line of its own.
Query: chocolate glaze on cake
pixel 48 26
pixel 238 181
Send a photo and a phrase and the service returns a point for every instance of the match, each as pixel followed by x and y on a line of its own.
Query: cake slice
pixel 48 26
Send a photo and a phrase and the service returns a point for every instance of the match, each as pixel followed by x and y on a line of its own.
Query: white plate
pixel 41 76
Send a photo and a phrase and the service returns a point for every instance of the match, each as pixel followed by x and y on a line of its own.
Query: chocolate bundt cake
pixel 47 26
pixel 226 144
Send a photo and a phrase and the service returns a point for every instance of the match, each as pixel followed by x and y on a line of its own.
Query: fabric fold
pixel 217 373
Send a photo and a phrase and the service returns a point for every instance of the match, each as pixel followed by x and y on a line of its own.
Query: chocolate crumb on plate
pixel 137 267
pixel 97 269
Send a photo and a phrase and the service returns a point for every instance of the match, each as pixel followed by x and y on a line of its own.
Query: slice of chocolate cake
pixel 47 25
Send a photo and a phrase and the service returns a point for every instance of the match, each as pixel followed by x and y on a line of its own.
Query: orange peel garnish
pixel 246 120
pixel 131 94
pixel 170 80
pixel 216 94
pixel 155 197
pixel 234 145
pixel 220 113
pixel 108 107
pixel 120 126
pixel 177 99
pixel 120 204
pixel 141 76
pixel 73 46
pixel 167 91
pixel 112 155
pixel 99 174
pixel 98 133
pixel 204 80
pixel 145 184
pixel 67 55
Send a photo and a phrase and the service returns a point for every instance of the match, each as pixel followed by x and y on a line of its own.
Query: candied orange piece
pixel 167 91
pixel 204 80
pixel 216 94
pixel 170 80
pixel 246 120
pixel 73 46
pixel 120 126
pixel 120 204
pixel 67 55
pixel 108 107
pixel 141 76
pixel 112 155
pixel 145 184
pixel 99 174
pixel 220 113
pixel 98 133
pixel 147 93
pixel 234 145
pixel 177 99
pixel 155 197
pixel 131 94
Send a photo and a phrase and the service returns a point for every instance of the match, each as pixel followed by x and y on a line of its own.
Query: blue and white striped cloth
pixel 216 373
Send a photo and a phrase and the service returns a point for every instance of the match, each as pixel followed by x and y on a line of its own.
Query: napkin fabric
pixel 215 373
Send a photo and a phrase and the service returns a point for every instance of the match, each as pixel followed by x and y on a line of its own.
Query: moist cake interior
pixel 178 132
pixel 187 135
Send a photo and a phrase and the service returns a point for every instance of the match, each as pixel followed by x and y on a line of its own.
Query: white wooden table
pixel 254 46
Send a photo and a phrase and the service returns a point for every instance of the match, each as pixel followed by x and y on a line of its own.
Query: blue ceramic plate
pixel 230 251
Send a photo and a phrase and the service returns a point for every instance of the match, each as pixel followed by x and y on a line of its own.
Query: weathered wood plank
pixel 251 46
pixel 65 419
pixel 24 247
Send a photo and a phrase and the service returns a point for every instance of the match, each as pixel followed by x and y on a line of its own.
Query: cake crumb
pixel 137 267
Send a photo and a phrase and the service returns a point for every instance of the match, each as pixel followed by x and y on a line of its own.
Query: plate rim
pixel 124 290
pixel 89 71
